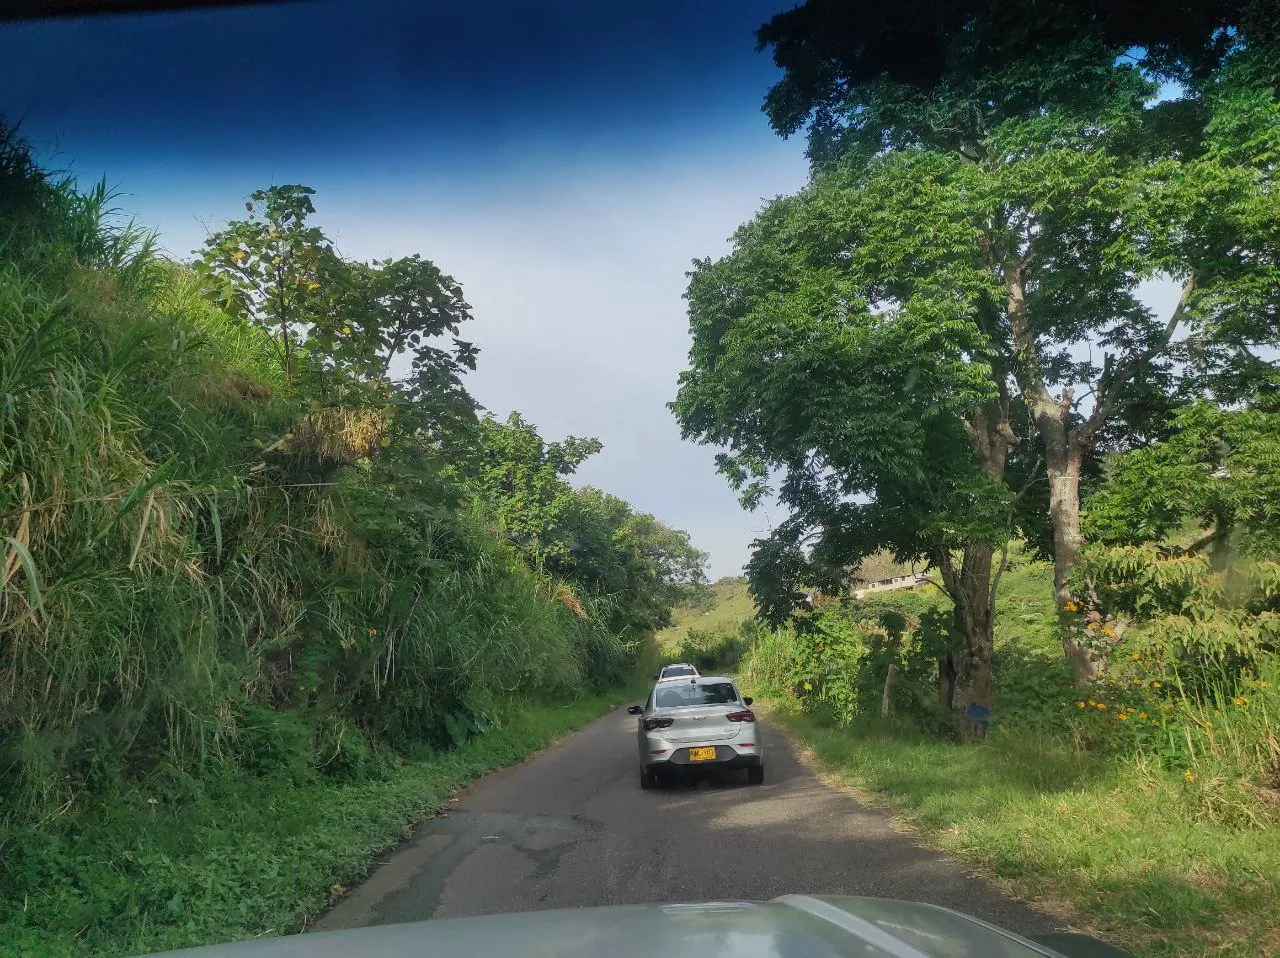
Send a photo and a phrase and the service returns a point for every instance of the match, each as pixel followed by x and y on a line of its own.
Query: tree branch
pixel 1120 376
pixel 1219 533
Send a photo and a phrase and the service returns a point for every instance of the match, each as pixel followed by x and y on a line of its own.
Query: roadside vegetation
pixel 943 350
pixel 1148 808
pixel 270 586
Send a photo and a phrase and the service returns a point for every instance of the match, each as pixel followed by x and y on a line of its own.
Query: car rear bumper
pixel 726 757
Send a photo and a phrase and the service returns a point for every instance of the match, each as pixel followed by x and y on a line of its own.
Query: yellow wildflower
pixel 808 686
pixel 1137 681
pixel 1240 700
pixel 1142 715
pixel 1262 683
pixel 1102 705
pixel 1190 776
pixel 1155 685
pixel 1123 717
pixel 1135 656
pixel 1080 704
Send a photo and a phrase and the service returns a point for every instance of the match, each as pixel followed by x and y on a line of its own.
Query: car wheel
pixel 647 779
pixel 755 775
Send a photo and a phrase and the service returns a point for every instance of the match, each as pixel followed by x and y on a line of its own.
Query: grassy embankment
pixel 249 633
pixel 1160 859
pixel 253 857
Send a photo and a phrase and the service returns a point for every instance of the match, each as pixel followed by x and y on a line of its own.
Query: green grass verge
pixel 1129 848
pixel 250 857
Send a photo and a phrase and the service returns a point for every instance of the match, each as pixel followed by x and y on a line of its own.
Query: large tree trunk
pixel 1065 444
pixel 1064 512
pixel 947 681
pixel 1064 455
pixel 1063 459
pixel 970 589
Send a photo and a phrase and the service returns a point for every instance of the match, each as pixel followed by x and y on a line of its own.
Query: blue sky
pixel 563 159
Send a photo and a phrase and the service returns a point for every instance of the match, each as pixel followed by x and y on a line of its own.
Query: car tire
pixel 755 775
pixel 647 779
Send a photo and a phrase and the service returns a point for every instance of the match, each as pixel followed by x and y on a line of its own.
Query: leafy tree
pixel 632 568
pixel 639 568
pixel 1061 185
pixel 839 58
pixel 520 482
pixel 274 268
pixel 1218 470
pixel 1206 627
pixel 869 388
pixel 339 324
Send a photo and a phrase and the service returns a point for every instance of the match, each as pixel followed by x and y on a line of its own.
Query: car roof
pixel 663 677
pixel 695 679
pixel 816 927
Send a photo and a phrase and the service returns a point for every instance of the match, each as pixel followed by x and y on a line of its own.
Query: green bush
pixel 835 660
pixel 717 650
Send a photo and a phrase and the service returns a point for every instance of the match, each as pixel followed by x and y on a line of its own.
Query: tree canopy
pixel 939 57
pixel 947 325
pixel 631 567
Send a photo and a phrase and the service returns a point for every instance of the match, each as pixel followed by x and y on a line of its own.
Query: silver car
pixel 700 722
pixel 793 926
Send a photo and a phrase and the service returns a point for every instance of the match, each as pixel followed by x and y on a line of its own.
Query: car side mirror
pixel 634 709
pixel 747 700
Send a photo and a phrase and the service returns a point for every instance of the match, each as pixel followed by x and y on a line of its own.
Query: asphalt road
pixel 570 827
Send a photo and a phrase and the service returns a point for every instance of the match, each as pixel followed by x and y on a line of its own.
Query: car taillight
pixel 655 723
pixel 746 715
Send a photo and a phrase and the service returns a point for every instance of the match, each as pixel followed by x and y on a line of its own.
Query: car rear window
pixel 671 670
pixel 682 696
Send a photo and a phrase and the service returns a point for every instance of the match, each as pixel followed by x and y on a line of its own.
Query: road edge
pixel 1062 911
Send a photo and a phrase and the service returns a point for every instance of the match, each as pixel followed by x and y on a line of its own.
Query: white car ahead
pixel 699 722
pixel 677 670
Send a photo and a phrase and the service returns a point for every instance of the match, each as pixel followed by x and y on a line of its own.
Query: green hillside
pixel 724 608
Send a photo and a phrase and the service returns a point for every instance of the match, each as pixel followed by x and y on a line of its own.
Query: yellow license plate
pixel 702 754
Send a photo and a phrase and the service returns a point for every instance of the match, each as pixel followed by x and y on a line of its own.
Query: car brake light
pixel 655 723
pixel 746 715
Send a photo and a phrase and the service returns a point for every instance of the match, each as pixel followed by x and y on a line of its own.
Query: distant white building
pixel 908 581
